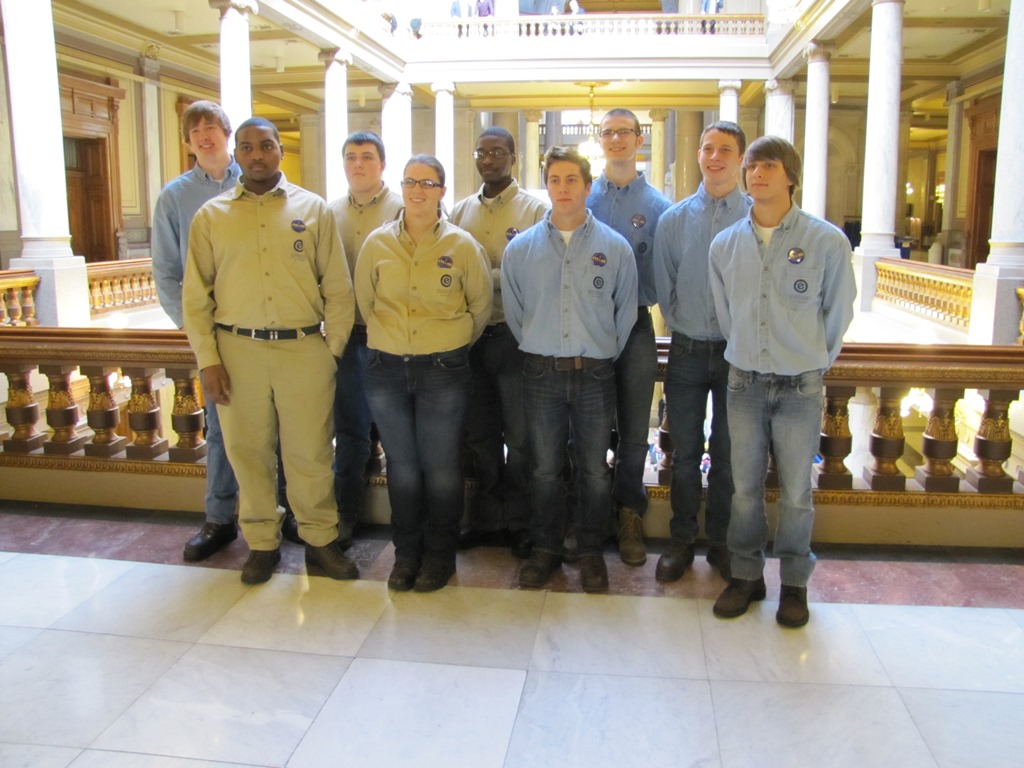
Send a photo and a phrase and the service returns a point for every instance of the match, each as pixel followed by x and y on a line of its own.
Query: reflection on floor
pixel 114 654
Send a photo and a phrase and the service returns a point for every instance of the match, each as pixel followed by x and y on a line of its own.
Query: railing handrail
pixel 96 346
pixel 936 271
pixel 116 267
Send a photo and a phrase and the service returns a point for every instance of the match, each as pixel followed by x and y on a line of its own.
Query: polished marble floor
pixel 115 654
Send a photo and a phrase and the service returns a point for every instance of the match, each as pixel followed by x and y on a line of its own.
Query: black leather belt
pixel 271 334
pixel 566 363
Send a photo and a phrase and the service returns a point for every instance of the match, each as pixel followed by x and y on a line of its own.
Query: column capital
pixel 780 87
pixel 659 114
pixel 387 90
pixel 533 115
pixel 729 85
pixel 243 6
pixel 329 56
pixel 883 2
pixel 445 86
pixel 819 50
pixel 149 67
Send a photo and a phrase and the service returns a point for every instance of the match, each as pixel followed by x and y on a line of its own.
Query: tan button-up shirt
pixel 265 261
pixel 493 222
pixel 356 222
pixel 418 300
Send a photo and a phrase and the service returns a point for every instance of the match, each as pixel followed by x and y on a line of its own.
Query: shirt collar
pixel 788 221
pixel 233 172
pixel 732 200
pixel 372 201
pixel 281 188
pixel 503 197
pixel 587 225
pixel 611 186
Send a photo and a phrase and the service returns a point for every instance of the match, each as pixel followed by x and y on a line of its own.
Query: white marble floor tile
pixel 229 704
pixel 5 556
pixel 832 648
pixel 33 756
pixel 953 648
pixel 36 590
pixel 592 721
pixel 459 625
pixel 639 636
pixel 966 729
pixel 399 713
pixel 303 614
pixel 1017 616
pixel 190 601
pixel 786 725
pixel 12 638
pixel 94 758
pixel 64 688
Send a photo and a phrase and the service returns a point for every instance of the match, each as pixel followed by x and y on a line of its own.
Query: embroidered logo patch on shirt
pixel 599 259
pixel 795 256
pixel 642 248
pixel 599 283
pixel 446 281
pixel 444 262
pixel 638 220
pixel 511 232
pixel 298 225
pixel 800 286
pixel 298 245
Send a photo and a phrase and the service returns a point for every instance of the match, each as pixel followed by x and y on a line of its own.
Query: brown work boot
pixel 260 565
pixel 738 596
pixel 632 549
pixel 538 569
pixel 332 561
pixel 593 572
pixel 792 607
pixel 673 564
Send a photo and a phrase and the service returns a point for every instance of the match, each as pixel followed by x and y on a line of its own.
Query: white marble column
pixel 444 134
pixel 815 181
pixel 658 118
pixel 10 239
pixel 396 129
pixel 235 69
pixel 995 310
pixel 153 182
pixel 311 156
pixel 729 100
pixel 779 110
pixel 62 298
pixel 686 178
pixel 335 125
pixel 531 151
pixel 878 224
pixel 951 232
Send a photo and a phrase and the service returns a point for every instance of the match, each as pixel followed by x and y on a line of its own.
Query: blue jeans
pixel 783 412
pixel 419 403
pixel 580 403
pixel 351 427
pixel 221 487
pixel 695 370
pixel 635 371
pixel 497 418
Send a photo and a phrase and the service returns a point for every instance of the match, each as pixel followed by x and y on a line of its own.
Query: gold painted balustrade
pixel 119 285
pixel 18 297
pixel 935 292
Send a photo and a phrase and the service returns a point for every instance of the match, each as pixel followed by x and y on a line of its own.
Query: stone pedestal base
pixel 986 484
pixel 23 444
pixel 879 482
pixel 936 483
pixel 148 451
pixel 73 445
pixel 187 455
pixel 831 481
pixel 106 450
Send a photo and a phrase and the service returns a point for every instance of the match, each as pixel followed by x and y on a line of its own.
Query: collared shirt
pixel 570 300
pixel 783 308
pixel 633 212
pixel 265 261
pixel 356 222
pixel 685 232
pixel 426 298
pixel 172 218
pixel 493 222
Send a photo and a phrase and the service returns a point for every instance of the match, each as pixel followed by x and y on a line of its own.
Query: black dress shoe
pixel 538 569
pixel 593 572
pixel 332 561
pixel 434 574
pixel 403 575
pixel 522 544
pixel 673 564
pixel 210 538
pixel 260 565
pixel 290 528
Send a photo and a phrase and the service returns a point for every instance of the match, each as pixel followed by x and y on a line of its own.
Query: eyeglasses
pixel 622 133
pixel 424 183
pixel 494 154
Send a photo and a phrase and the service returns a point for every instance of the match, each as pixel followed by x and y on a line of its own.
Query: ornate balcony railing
pixel 18 297
pixel 120 285
pixel 938 293
pixel 594 25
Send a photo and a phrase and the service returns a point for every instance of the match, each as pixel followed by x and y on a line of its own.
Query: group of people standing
pixel 518 329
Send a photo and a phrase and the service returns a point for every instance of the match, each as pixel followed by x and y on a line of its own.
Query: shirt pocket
pixel 800 286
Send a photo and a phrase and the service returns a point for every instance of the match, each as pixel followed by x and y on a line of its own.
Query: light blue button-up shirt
pixel 783 308
pixel 681 246
pixel 175 208
pixel 632 211
pixel 570 300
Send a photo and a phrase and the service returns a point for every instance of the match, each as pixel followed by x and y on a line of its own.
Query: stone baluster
pixel 187 416
pixel 144 415
pixel 992 444
pixel 836 440
pixel 22 410
pixel 939 444
pixel 103 414
pixel 62 412
pixel 887 442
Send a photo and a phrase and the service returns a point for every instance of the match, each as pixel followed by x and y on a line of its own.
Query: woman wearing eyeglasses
pixel 424 287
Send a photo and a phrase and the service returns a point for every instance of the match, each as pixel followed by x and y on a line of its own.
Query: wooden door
pixel 89 212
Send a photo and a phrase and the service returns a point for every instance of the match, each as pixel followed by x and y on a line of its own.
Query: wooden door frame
pixel 983 121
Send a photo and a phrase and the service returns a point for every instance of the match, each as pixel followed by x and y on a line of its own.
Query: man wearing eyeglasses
pixel 500 210
pixel 622 199
pixel 367 205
